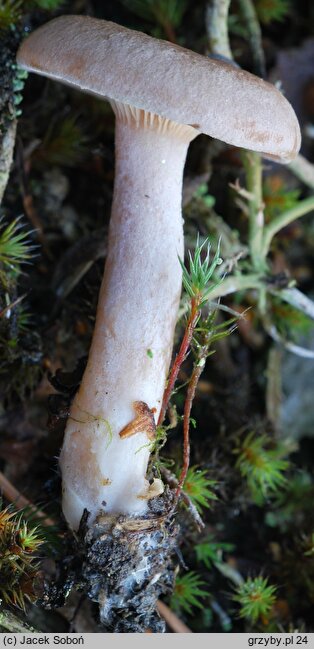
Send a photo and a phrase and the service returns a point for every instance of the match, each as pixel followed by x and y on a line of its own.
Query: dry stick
pixel 197 371
pixel 26 195
pixel 14 496
pixel 27 198
pixel 180 357
pixel 171 619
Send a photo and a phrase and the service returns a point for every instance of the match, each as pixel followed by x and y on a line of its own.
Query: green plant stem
pixel 236 283
pixel 303 169
pixel 216 19
pixel 295 298
pixel 249 15
pixel 254 185
pixel 282 220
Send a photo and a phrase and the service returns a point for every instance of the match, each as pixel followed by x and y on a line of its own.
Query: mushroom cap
pixel 115 63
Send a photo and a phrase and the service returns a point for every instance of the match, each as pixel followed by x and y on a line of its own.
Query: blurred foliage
pixel 256 598
pixel 277 198
pixel 260 463
pixel 19 345
pixel 19 553
pixel 159 11
pixel 166 14
pixel 188 593
pixel 64 144
pixel 210 552
pixel 292 507
pixel 199 488
pixel 15 245
pixel 10 13
pixel 291 323
pixel 272 10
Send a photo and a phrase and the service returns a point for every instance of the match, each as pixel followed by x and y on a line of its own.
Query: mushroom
pixel 163 96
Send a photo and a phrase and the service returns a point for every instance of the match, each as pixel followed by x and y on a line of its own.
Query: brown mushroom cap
pixel 127 66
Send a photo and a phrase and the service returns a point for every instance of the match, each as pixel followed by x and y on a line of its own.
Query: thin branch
pixel 14 496
pixel 173 622
pixel 179 359
pixel 254 189
pixel 287 344
pixel 216 21
pixel 274 385
pixel 295 298
pixel 303 169
pixel 236 283
pixel 281 221
pixel 197 371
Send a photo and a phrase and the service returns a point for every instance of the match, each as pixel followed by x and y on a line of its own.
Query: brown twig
pixel 197 371
pixel 14 496
pixel 173 622
pixel 180 357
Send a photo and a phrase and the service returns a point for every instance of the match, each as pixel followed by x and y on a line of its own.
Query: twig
pixel 216 20
pixel 254 171
pixel 295 298
pixel 14 496
pixel 287 344
pixel 274 385
pixel 179 359
pixel 254 35
pixel 303 169
pixel 171 619
pixel 197 371
pixel 172 481
pixel 236 283
pixel 7 310
pixel 284 219
pixel 6 156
